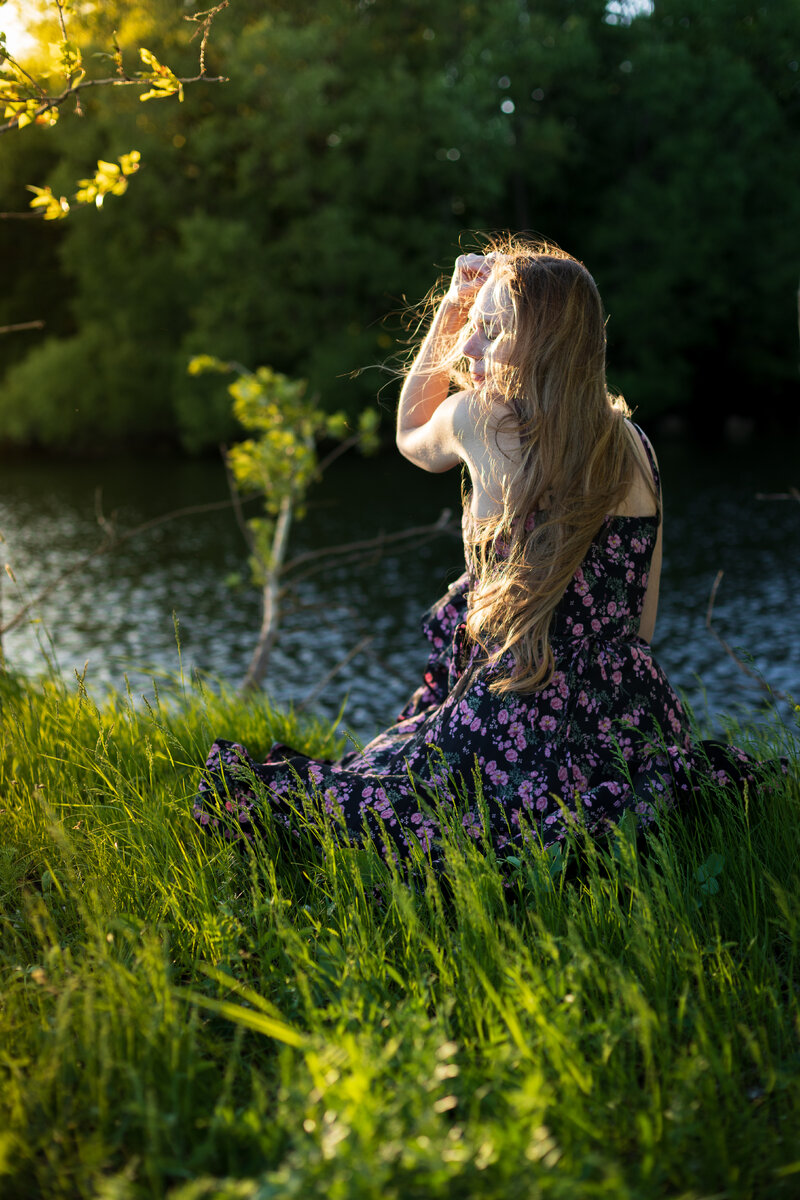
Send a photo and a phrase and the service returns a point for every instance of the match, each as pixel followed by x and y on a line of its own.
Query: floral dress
pixel 607 733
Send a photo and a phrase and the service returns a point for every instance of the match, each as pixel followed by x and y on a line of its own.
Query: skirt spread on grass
pixel 606 735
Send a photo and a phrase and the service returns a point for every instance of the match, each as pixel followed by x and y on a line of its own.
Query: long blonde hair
pixel 577 460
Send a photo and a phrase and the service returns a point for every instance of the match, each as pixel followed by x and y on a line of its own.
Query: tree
pixel 278 463
pixel 34 98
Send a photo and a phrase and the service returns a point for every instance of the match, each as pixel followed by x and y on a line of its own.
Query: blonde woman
pixel 541 691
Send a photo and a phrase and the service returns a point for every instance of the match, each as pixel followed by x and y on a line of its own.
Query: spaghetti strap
pixel 651 458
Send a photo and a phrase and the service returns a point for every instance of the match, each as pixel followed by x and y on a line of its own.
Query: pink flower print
pixel 332 806
pixel 562 774
pixel 502 717
pixel 583 700
pixel 557 703
pixel 548 723
pixel 511 755
pixel 579 779
pixel 604 724
pixel 577 630
pixel 611 607
pixel 498 777
pixel 588 600
pixel 596 626
pixel 644 580
pixel 542 803
pixel 616 677
pixel 614 541
pixel 629 576
pixel 637 545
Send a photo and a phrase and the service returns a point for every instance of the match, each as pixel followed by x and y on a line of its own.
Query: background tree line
pixel 287 216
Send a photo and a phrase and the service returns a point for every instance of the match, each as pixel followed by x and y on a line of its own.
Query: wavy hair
pixel 577 460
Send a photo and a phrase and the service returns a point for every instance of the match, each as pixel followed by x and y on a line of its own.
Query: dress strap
pixel 651 458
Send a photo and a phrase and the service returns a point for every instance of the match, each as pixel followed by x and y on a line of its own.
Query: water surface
pixel 117 613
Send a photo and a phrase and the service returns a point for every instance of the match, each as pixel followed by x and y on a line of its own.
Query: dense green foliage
pixel 280 217
pixel 180 1019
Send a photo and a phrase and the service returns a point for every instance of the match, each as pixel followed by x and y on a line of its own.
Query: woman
pixel 542 704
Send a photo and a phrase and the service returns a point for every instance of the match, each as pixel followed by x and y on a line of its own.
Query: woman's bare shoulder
pixel 641 498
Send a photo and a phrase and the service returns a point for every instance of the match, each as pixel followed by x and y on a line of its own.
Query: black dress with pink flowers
pixel 607 733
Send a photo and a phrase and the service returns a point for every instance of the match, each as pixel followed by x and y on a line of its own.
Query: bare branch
pixel 342 448
pixel 792 494
pixel 106 525
pixel 751 674
pixel 22 327
pixel 442 525
pixel 323 683
pixel 112 540
pixel 203 21
pixel 236 502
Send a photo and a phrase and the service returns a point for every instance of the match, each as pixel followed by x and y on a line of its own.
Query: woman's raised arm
pixel 425 433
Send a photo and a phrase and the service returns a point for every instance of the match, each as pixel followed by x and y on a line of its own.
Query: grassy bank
pixel 179 1019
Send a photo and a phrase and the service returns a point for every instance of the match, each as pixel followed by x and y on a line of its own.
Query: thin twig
pixel 21 327
pixel 792 494
pixel 9 58
pixel 23 216
pixel 111 541
pixel 762 683
pixel 209 15
pixel 360 558
pixel 106 525
pixel 323 683
pixel 442 525
pixel 236 502
pixel 60 6
pixel 57 101
pixel 337 451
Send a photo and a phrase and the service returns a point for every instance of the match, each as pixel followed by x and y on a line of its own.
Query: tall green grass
pixel 183 1019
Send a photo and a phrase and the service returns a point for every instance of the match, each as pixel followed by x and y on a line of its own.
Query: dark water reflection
pixel 117 613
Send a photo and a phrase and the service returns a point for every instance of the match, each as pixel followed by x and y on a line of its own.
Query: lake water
pixel 117 613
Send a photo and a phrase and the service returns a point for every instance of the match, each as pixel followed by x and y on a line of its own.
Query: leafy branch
pixel 26 101
pixel 279 462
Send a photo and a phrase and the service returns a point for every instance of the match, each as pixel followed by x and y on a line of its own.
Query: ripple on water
pixel 118 611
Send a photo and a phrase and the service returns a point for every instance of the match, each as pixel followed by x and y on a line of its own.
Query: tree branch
pixel 751 674
pixel 323 683
pixel 23 326
pixel 205 26
pixel 442 525
pixel 236 502
pixel 111 541
pixel 114 81
pixel 792 494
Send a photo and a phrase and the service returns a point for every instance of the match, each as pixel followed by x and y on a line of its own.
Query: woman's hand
pixel 425 416
pixel 469 275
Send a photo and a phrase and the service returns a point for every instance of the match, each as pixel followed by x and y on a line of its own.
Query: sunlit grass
pixel 179 1018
